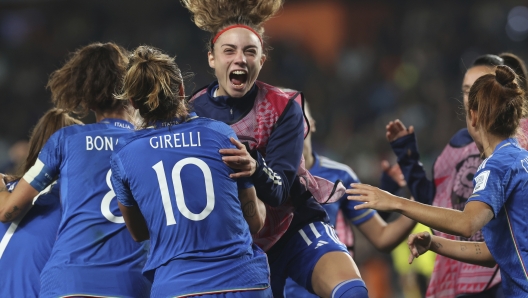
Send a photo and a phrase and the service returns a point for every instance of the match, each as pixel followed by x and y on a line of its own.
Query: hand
pixel 418 244
pixel 373 197
pixel 239 159
pixel 396 130
pixel 394 172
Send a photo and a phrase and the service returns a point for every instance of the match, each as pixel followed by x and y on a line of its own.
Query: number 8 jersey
pixel 94 253
pixel 200 241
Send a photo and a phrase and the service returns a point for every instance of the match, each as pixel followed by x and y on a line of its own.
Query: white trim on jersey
pixel 332 164
pixel 34 171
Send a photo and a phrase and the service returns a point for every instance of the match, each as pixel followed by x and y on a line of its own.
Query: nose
pixel 240 58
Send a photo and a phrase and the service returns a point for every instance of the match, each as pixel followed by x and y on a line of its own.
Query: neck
pixel 489 143
pixel 122 114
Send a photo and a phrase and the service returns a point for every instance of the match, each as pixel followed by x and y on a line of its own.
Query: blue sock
pixel 352 288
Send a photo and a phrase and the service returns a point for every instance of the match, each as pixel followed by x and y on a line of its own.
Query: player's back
pixel 25 245
pixel 200 241
pixel 93 246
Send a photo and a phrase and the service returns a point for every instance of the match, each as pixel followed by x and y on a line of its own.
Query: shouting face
pixel 237 59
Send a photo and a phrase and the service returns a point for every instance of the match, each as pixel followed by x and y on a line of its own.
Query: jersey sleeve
pixel 120 183
pixel 275 174
pixel 356 217
pixel 47 166
pixel 406 149
pixel 490 184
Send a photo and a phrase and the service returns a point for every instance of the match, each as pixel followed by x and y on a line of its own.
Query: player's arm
pixel 469 252
pixel 386 236
pixel 253 209
pixel 135 222
pixel 273 175
pixel 461 223
pixel 16 203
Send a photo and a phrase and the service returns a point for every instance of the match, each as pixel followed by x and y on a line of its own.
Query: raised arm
pixel 403 143
pixel 469 252
pixel 253 209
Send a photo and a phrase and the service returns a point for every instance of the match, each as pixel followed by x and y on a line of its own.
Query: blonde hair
pixel 153 82
pixel 214 15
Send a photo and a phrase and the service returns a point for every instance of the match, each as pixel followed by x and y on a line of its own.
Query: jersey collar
pixel 118 123
pixel 175 121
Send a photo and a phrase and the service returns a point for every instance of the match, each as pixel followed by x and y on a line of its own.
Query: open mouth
pixel 238 78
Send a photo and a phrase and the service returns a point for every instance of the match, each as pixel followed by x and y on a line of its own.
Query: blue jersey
pixel 25 245
pixel 93 245
pixel 501 182
pixel 200 241
pixel 333 171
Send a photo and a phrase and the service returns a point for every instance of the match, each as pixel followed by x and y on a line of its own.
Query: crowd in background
pixel 359 63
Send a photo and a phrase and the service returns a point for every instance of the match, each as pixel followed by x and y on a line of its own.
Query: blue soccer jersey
pixel 501 182
pixel 200 241
pixel 25 245
pixel 94 254
pixel 333 171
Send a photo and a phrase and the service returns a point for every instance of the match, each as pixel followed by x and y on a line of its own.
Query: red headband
pixel 236 26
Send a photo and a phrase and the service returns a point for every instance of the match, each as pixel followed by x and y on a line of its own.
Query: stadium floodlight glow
pixel 517 23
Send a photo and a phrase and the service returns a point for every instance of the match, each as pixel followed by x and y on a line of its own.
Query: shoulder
pixel 328 163
pixel 461 138
pixel 214 125
pixel 199 93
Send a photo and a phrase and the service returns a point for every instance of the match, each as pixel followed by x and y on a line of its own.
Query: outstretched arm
pixel 462 223
pixel 386 236
pixel 469 252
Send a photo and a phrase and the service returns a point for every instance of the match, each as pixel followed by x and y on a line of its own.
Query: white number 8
pixel 178 190
pixel 107 199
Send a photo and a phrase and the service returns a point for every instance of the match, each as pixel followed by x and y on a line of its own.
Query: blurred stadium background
pixel 359 63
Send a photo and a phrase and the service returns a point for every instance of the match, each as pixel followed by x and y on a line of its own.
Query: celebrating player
pixel 494 110
pixel 270 122
pixel 202 245
pixel 94 254
pixel 26 243
pixel 453 173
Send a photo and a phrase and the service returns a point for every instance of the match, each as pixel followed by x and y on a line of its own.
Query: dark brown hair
pixel 499 102
pixel 153 81
pixel 53 120
pixel 89 79
pixel 518 66
pixel 215 15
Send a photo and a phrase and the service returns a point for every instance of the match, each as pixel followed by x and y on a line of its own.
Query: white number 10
pixel 178 190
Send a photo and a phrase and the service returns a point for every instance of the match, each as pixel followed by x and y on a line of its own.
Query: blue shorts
pixel 300 255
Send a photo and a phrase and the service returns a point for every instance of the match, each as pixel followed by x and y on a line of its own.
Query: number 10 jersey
pixel 200 241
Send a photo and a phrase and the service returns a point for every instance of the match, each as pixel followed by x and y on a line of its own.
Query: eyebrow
pixel 234 46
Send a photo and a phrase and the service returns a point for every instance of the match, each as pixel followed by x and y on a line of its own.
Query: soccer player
pixel 383 236
pixel 452 185
pixel 25 244
pixel 271 123
pixel 93 254
pixel 497 205
pixel 180 194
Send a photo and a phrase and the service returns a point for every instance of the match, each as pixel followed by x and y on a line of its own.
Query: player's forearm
pixel 449 221
pixel 253 209
pixel 15 204
pixel 395 233
pixel 469 252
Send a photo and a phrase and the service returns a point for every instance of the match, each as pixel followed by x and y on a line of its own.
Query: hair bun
pixel 504 75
